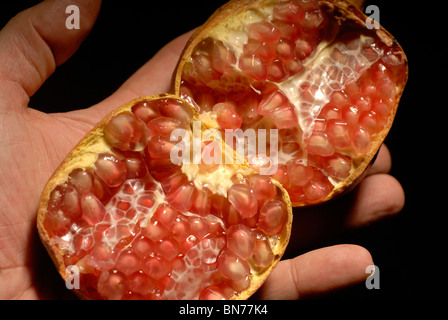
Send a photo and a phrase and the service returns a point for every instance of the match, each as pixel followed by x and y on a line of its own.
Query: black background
pixel 409 248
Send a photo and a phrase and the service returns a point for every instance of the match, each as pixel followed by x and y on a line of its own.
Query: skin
pixel 32 144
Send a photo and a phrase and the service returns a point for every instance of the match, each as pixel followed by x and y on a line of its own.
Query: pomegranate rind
pixel 344 13
pixel 84 155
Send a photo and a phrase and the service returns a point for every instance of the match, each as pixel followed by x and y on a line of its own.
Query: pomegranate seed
pixel 202 203
pixel 263 255
pixel 316 190
pixel 111 285
pixel 289 31
pixel 163 126
pixel 294 66
pixel 312 20
pixel 82 242
pixel 157 267
pixel 223 59
pixel 232 267
pixel 180 229
pixel 206 101
pixel 93 210
pixel 143 246
pixel 264 31
pixel 127 262
pixel 70 205
pixel 155 230
pixel 272 101
pixel 110 170
pixel 165 215
pixel 360 139
pixel 174 181
pixel 140 282
pixel 370 121
pixel 198 227
pixel 212 293
pixel 240 240
pixel 82 180
pixel 227 117
pixel 289 12
pixel 160 147
pixel 182 198
pixel 126 132
pixel 203 67
pixel 253 66
pixel 272 216
pixel 135 165
pixel 318 144
pixel 285 50
pixel 176 111
pixel 338 134
pixel 243 199
pixel 168 248
pixel 276 71
pixel 338 166
pixel 298 174
pixel 143 111
pixel 263 186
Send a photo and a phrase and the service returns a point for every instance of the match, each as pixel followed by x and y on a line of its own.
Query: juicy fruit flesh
pixel 138 229
pixel 329 93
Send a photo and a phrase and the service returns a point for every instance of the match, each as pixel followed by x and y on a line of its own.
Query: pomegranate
pixel 143 218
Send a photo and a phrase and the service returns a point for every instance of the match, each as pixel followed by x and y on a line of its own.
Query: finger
pixel 152 78
pixel 317 272
pixel 382 163
pixel 376 197
pixel 35 41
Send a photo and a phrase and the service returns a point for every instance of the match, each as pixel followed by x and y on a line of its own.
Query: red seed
pixel 289 12
pixel 93 210
pixel 316 190
pixel 164 126
pixel 223 58
pixel 140 282
pixel 263 255
pixel 243 199
pixel 126 132
pixel 176 110
pixel 338 166
pixel 82 180
pixel 264 31
pixel 128 262
pixel 212 293
pixel 110 170
pixel 227 117
pixel 240 240
pixel 231 266
pixel 143 246
pixel 253 66
pixel 157 267
pixel 272 217
pixel 182 198
pixel 168 248
pixel 165 215
pixel 111 285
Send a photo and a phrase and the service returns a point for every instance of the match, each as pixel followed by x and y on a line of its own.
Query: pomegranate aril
pixel 155 230
pixel 370 121
pixel 143 246
pixel 110 170
pixel 112 285
pixel 176 110
pixel 165 215
pixel 276 71
pixel 263 255
pixel 126 132
pixel 240 240
pixel 160 147
pixel 93 210
pixel 294 66
pixel 174 181
pixel 141 283
pixel 361 141
pixel 272 216
pixel 157 267
pixel 202 202
pixel 82 242
pixel 167 248
pixel 128 262
pixel 338 166
pixel 253 66
pixel 144 111
pixel 289 12
pixel 299 174
pixel 203 67
pixel 227 117
pixel 82 180
pixel 182 198
pixel 312 20
pixel 285 50
pixel 70 205
pixel 263 186
pixel 212 293
pixel 338 134
pixel 231 266
pixel 243 199
pixel 164 126
pixel 223 59
pixel 264 31
pixel 316 190
pixel 319 144
pixel 180 229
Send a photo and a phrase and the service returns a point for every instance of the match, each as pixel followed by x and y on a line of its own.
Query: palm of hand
pixel 32 145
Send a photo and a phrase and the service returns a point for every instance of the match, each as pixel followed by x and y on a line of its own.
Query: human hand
pixel 33 143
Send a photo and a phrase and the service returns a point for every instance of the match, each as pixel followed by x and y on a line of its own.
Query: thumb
pixel 35 41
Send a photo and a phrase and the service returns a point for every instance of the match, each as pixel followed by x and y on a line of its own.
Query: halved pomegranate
pixel 142 218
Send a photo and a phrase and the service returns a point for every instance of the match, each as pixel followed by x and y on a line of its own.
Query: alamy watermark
pixel 373 20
